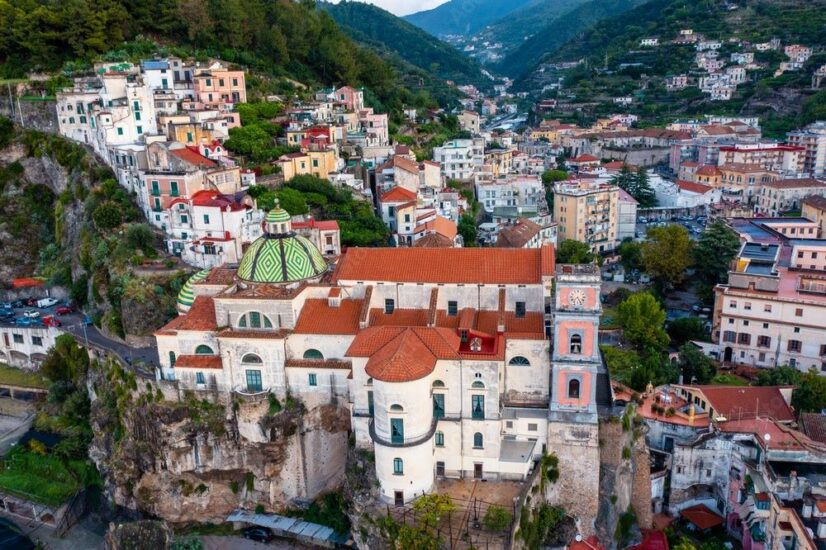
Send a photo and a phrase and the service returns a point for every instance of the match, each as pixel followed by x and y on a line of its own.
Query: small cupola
pixel 278 221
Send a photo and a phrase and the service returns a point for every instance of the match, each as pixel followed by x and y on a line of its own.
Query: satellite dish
pixel 767 437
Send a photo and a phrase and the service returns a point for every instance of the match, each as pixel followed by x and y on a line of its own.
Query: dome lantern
pixel 278 221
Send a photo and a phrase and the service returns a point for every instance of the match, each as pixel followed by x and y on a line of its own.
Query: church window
pixel 573 389
pixel 576 344
pixel 438 384
pixel 396 430
pixel 478 441
pixel 313 354
pixel 396 408
pixel 254 381
pixel 477 407
pixel 252 358
pixel 519 361
pixel 204 350
pixel 478 385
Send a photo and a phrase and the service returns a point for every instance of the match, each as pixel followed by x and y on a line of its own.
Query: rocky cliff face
pixel 195 461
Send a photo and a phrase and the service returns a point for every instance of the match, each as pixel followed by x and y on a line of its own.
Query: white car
pixel 31 314
pixel 47 302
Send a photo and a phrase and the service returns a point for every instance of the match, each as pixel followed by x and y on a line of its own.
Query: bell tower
pixel 576 367
pixel 576 359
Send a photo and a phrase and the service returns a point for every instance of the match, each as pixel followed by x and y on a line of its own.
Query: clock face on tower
pixel 576 297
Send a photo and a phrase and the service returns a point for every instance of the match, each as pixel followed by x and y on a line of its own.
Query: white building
pixel 511 197
pixel 460 158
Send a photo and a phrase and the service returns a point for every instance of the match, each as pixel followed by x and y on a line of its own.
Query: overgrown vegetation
pixel 539 526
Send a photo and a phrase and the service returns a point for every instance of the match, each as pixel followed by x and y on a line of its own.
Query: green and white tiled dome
pixel 280 256
pixel 187 294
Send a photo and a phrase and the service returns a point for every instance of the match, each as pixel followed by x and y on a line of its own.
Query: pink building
pixel 352 98
pixel 219 87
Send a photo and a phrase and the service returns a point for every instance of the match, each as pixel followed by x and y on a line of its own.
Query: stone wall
pixel 37 115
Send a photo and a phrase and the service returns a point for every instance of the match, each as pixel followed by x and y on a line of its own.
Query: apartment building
pixel 812 139
pixel 460 158
pixel 511 197
pixel 788 159
pixel 786 195
pixel 772 310
pixel 587 212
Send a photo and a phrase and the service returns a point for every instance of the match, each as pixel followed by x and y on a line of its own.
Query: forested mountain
pixel 276 37
pixel 463 17
pixel 512 30
pixel 398 40
pixel 556 32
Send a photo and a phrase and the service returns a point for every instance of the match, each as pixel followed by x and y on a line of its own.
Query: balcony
pixel 405 442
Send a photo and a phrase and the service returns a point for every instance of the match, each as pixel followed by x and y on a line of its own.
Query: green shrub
pixel 497 518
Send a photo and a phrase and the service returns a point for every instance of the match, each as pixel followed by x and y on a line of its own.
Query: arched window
pixel 398 466
pixel 370 381
pixel 396 408
pixel 519 361
pixel 252 359
pixel 576 344
pixel 478 441
pixel 438 384
pixel 171 358
pixel 478 385
pixel 573 389
pixel 254 319
pixel 313 354
pixel 204 350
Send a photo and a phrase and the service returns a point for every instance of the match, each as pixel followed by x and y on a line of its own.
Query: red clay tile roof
pixel 447 265
pixel 192 157
pixel 702 516
pixel 398 194
pixel 652 540
pixel 318 317
pixel 400 354
pixel 208 197
pixel 584 158
pixel 516 236
pixel 440 225
pixel 434 240
pixel 318 364
pixel 816 201
pixel 198 362
pixel 735 402
pixel 707 170
pixel 201 316
pixel 399 317
pixel 692 187
pixel 814 426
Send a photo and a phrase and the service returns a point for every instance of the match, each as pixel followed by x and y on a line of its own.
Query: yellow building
pixel 813 207
pixel 317 163
pixel 587 212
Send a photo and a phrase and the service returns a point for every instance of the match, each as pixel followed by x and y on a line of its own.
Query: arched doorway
pixel 727 355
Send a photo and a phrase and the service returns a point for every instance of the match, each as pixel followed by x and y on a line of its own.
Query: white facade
pixel 460 158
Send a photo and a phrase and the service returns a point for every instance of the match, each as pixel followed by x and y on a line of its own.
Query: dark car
pixel 258 534
pixel 18 303
pixel 63 310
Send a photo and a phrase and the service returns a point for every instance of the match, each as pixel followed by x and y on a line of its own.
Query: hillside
pixel 463 17
pixel 279 38
pixel 397 40
pixel 514 29
pixel 555 33
pixel 615 64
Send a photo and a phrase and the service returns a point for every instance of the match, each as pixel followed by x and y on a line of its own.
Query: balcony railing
pixel 406 442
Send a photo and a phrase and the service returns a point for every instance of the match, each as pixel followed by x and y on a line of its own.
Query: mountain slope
pixel 513 29
pixel 463 17
pixel 392 36
pixel 552 36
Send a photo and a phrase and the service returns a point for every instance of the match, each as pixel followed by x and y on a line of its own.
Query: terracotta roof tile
pixel 440 225
pixel 318 317
pixel 735 402
pixel 434 240
pixel 518 235
pixel 446 265
pixel 398 194
pixel 795 183
pixel 814 426
pixel 692 187
pixel 399 318
pixel 707 170
pixel 816 201
pixel 192 157
pixel 702 516
pixel 201 316
pixel 198 362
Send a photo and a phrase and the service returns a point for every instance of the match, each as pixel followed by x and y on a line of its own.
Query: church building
pixel 454 362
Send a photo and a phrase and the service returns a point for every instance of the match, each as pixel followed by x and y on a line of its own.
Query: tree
pixel 65 361
pixel 641 318
pixel 717 247
pixel 574 252
pixel 783 375
pixel 289 199
pixel 467 229
pixel 433 507
pixel 666 254
pixel 810 394
pixel 139 235
pixel 553 176
pixel 637 185
pixel 684 329
pixel 695 366
pixel 630 254
pixel 497 518
pixel 107 216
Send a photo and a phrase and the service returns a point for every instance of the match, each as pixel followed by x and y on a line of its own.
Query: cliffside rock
pixel 138 535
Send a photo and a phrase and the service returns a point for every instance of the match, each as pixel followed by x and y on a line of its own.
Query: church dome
pixel 187 294
pixel 280 256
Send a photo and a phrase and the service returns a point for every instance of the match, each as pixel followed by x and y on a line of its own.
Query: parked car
pixel 52 321
pixel 258 534
pixel 63 310
pixel 47 302
pixel 31 302
pixel 18 303
pixel 23 322
pixel 87 320
pixel 31 313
